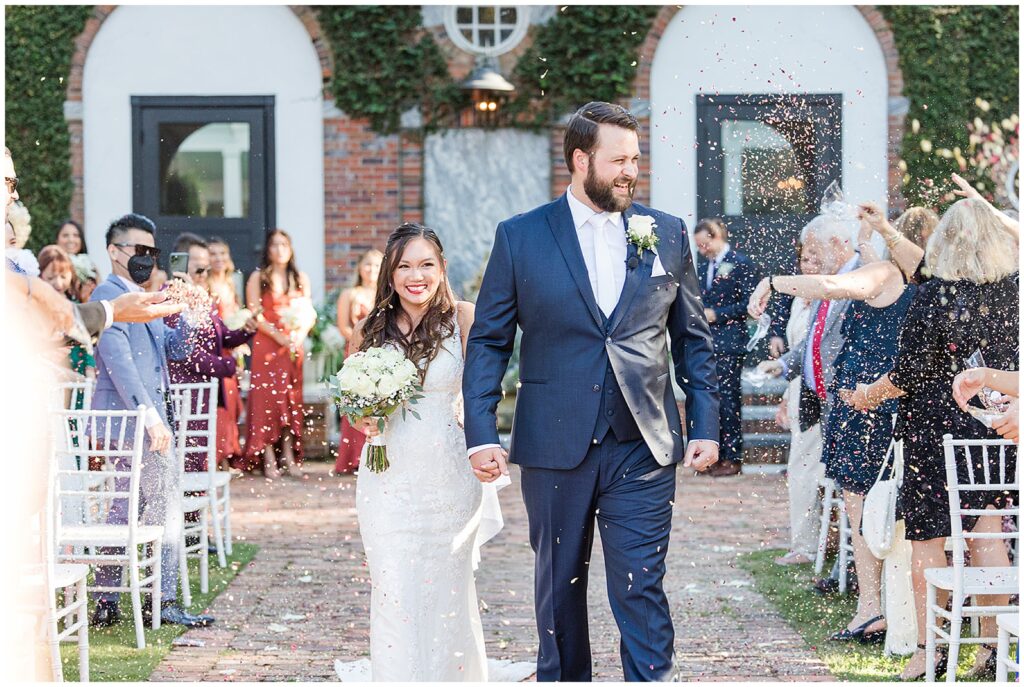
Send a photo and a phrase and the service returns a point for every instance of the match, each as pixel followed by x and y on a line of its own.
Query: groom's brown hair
pixel 583 126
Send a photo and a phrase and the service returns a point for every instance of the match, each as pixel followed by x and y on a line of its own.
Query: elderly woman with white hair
pixel 970 304
pixel 854 445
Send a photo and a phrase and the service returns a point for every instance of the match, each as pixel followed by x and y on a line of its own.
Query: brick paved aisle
pixel 304 600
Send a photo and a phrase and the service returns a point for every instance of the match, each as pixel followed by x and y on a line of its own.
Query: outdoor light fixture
pixel 489 90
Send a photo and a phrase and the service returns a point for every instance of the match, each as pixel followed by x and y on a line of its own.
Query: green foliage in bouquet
pixel 39 44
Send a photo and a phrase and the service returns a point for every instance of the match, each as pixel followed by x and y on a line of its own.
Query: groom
pixel 596 431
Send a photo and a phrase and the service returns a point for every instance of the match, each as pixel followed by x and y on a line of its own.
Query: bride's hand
pixel 369 426
pixel 489 464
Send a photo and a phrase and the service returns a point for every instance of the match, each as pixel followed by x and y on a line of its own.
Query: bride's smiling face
pixel 418 273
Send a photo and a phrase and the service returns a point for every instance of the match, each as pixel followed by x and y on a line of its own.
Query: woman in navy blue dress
pixel 854 444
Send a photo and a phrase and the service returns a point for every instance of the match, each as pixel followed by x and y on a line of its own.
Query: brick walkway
pixel 303 602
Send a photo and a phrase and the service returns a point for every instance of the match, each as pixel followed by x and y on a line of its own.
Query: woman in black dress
pixel 970 304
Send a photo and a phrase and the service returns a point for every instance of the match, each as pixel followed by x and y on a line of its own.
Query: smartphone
pixel 179 263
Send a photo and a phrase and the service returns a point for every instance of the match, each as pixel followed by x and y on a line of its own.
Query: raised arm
pixel 967 191
pixel 865 283
pixel 906 254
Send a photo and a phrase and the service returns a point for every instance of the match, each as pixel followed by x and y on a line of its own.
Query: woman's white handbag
pixel 878 521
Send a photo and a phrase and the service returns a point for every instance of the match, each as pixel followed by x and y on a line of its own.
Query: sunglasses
pixel 200 271
pixel 140 249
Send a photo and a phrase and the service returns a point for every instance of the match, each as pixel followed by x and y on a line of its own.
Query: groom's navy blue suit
pixel 596 429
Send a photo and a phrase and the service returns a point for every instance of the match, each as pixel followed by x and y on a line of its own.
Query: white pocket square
pixel 657 270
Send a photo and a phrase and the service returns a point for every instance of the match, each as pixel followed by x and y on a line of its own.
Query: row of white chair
pixel 987 470
pixel 87 451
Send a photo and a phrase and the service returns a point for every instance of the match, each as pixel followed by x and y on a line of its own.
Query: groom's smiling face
pixel 613 168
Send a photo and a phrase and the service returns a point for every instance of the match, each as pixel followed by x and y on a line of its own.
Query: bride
pixel 423 520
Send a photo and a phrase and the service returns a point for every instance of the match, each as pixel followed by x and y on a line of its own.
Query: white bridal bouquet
pixel 375 383
pixel 299 314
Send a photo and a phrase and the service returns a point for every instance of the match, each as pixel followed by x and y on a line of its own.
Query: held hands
pixel 159 438
pixel 759 299
pixel 861 398
pixel 489 464
pixel 700 455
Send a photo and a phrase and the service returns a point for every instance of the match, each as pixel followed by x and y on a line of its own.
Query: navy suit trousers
pixel 623 488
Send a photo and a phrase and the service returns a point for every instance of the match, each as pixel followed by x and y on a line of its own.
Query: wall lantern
pixel 488 89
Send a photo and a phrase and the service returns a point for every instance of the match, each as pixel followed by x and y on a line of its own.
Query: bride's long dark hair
pixel 422 344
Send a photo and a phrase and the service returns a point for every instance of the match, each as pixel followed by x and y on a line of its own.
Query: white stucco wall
pixel 766 49
pixel 204 51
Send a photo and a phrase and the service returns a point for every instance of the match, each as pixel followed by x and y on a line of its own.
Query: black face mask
pixel 140 268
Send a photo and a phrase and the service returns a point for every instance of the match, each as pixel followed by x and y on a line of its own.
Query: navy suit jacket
pixel 536 279
pixel 728 296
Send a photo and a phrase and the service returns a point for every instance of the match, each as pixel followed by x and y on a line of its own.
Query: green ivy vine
pixel 951 55
pixel 385 64
pixel 40 43
pixel 585 53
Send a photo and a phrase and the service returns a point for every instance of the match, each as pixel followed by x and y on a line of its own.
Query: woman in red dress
pixel 225 298
pixel 275 388
pixel 353 305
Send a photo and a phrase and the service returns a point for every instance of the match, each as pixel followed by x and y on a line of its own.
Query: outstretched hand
pixel 143 306
pixel 964 188
pixel 700 455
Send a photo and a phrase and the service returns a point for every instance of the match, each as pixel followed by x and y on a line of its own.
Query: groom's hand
pixel 700 455
pixel 489 463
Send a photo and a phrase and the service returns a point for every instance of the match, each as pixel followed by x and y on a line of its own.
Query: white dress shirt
pixel 716 263
pixel 589 225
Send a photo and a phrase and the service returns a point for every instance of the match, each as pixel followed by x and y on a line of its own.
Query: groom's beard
pixel 602 193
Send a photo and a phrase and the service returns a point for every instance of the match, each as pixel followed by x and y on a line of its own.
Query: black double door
pixel 206 165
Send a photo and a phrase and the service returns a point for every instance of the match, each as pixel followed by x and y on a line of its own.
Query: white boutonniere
pixel 640 232
pixel 725 268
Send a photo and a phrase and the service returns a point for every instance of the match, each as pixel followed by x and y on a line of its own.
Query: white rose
pixel 362 385
pixel 641 226
pixel 389 384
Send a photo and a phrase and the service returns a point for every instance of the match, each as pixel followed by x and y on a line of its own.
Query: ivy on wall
pixel 40 42
pixel 585 53
pixel 385 64
pixel 950 56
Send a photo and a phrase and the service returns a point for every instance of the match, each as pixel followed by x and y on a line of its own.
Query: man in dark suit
pixel 726 281
pixel 594 280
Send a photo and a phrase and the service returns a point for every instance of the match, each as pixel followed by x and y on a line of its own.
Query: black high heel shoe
pixel 846 635
pixel 941 664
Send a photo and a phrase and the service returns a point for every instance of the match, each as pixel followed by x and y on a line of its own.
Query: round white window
pixel 487 30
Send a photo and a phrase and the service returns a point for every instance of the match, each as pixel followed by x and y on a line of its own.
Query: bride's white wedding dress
pixel 422 522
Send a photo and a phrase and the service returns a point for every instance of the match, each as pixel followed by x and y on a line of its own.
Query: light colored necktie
pixel 606 296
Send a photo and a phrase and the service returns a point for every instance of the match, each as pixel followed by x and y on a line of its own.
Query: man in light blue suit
pixel 131 364
pixel 594 281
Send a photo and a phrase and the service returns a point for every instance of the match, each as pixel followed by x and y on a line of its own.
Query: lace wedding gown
pixel 422 522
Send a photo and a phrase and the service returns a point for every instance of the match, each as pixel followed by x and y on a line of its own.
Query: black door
pixel 206 165
pixel 764 162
